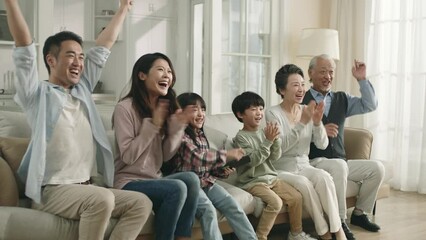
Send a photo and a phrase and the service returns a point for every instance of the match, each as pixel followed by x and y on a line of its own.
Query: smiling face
pixel 322 75
pixel 252 117
pixel 67 66
pixel 158 79
pixel 198 115
pixel 294 90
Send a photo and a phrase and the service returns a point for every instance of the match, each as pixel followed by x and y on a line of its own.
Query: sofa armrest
pixel 358 143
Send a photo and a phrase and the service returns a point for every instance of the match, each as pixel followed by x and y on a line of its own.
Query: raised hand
pixel 318 113
pixel 161 112
pixel 331 129
pixel 272 132
pixel 359 70
pixel 235 154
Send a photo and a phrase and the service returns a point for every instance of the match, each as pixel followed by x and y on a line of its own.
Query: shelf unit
pixel 104 10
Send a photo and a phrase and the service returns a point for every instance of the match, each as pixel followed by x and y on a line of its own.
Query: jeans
pixel 218 197
pixel 174 199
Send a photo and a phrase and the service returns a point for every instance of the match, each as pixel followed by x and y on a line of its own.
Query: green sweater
pixel 262 152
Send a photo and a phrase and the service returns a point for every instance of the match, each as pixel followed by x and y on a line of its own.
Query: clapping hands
pixel 312 112
pixel 272 132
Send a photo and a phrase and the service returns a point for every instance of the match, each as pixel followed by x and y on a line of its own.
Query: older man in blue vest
pixel 338 106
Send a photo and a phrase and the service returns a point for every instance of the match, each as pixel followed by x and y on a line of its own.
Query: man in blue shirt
pixel 69 144
pixel 338 106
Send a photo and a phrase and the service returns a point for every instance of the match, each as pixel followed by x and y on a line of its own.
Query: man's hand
pixel 359 70
pixel 331 129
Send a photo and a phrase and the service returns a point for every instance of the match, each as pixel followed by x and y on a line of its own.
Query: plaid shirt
pixel 199 158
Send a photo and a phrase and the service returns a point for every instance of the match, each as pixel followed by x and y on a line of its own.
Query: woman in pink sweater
pixel 148 130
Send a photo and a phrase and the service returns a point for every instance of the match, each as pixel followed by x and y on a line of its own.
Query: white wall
pixel 305 14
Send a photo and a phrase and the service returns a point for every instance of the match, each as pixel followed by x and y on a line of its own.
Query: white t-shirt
pixel 70 154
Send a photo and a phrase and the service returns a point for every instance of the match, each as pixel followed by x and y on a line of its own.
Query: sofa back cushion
pixel 12 151
pixel 358 143
pixel 14 124
pixel 8 189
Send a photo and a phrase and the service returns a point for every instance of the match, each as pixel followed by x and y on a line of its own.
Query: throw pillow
pixel 14 124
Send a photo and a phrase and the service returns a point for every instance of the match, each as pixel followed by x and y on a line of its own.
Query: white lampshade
pixel 317 41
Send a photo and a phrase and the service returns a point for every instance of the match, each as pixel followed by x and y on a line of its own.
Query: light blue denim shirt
pixel 43 102
pixel 356 105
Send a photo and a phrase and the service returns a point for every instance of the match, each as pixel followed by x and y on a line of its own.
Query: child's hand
pixel 227 171
pixel 272 132
pixel 235 154
pixel 161 112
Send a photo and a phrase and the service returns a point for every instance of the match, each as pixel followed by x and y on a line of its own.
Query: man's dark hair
pixel 281 77
pixel 53 44
pixel 244 101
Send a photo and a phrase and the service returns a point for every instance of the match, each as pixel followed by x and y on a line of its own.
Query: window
pixel 231 50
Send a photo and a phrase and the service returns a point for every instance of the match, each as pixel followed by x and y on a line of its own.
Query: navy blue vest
pixel 336 115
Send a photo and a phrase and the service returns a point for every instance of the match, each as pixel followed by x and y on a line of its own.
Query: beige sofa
pixel 18 221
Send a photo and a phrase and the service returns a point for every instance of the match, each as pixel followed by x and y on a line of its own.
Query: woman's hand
pixel 161 112
pixel 185 115
pixel 308 112
pixel 318 113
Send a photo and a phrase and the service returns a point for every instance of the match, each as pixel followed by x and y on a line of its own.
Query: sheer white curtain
pixel 396 57
pixel 345 18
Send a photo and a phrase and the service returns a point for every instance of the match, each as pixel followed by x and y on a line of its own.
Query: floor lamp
pixel 317 41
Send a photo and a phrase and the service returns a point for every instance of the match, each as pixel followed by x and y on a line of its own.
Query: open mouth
pixel 74 72
pixel 163 84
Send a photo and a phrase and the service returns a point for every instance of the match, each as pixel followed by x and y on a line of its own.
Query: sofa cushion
pixel 217 139
pixel 12 150
pixel 358 143
pixel 24 223
pixel 9 190
pixel 14 124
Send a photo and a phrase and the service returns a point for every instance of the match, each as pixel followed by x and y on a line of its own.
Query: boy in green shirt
pixel 259 177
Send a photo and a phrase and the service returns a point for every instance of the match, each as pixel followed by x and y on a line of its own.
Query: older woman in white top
pixel 300 125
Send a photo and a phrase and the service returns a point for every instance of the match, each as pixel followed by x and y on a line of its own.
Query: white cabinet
pixel 157 8
pixel 73 15
pixel 147 35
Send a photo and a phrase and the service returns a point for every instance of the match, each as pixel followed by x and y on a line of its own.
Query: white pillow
pixel 14 124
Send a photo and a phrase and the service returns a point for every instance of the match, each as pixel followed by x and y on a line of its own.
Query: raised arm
pixel 109 35
pixel 17 25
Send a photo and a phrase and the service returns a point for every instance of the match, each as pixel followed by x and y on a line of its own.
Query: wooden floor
pixel 401 216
